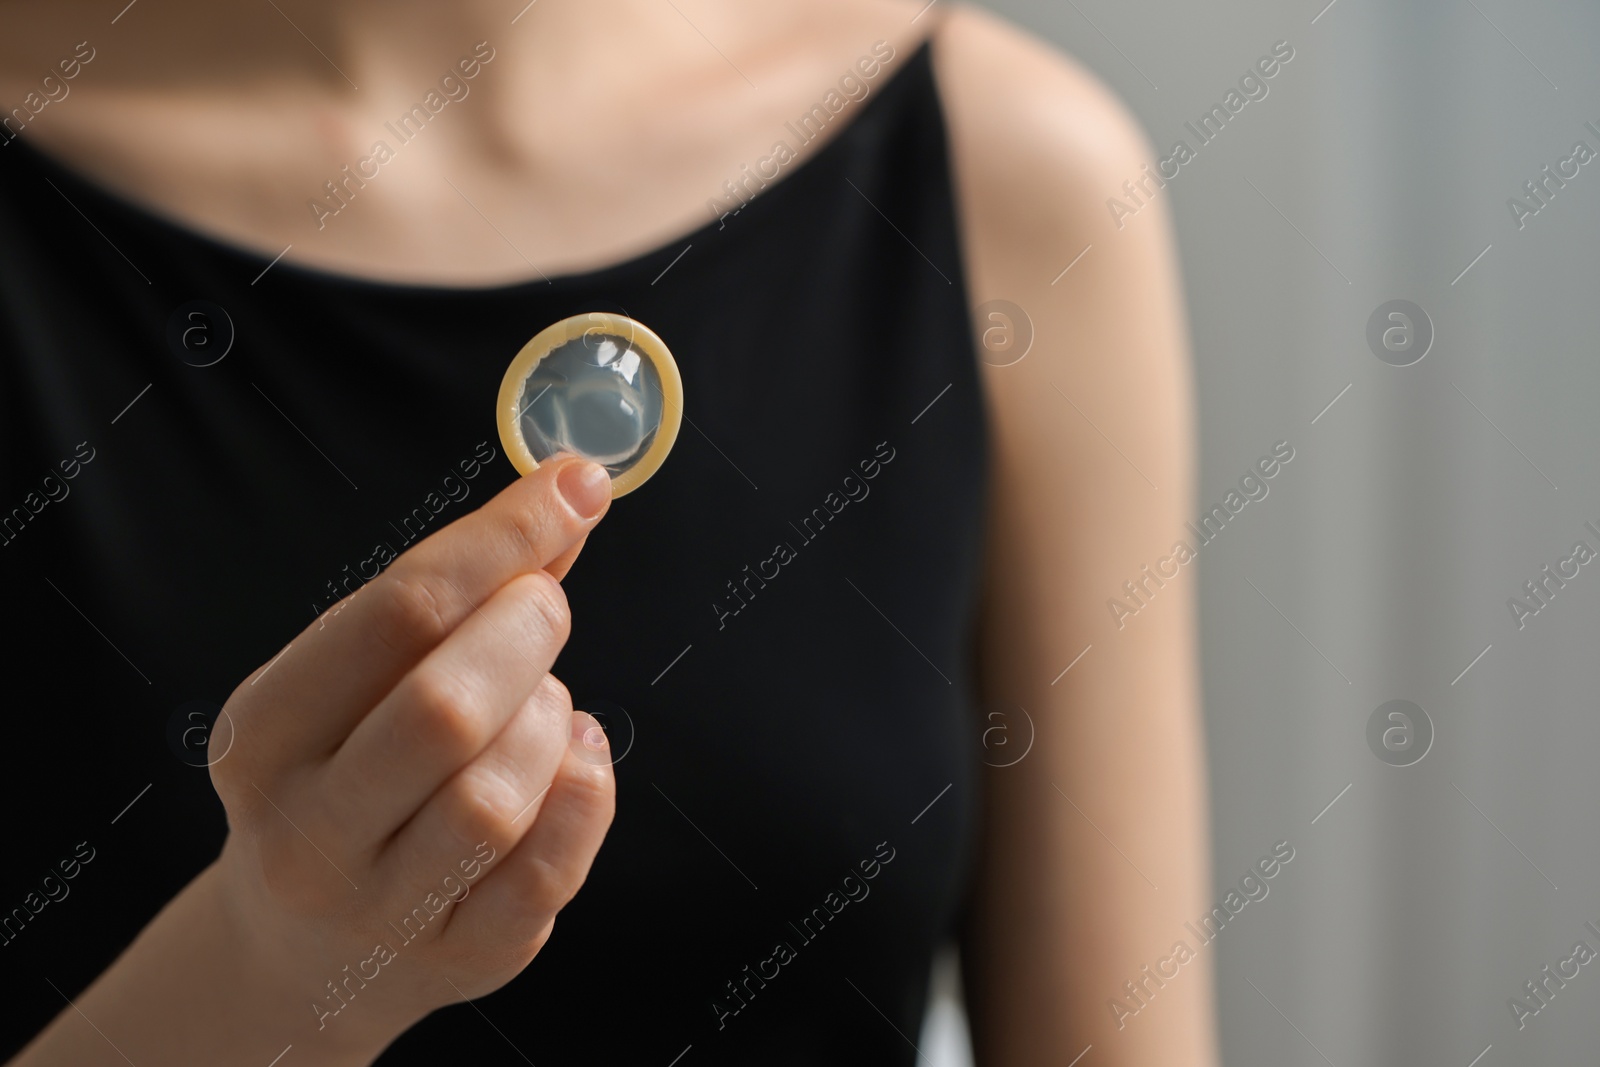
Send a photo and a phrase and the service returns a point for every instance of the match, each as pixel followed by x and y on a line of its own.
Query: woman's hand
pixel 411 800
pixel 411 796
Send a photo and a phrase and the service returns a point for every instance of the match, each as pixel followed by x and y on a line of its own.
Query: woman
pixel 262 268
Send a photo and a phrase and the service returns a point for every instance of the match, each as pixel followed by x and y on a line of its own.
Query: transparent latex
pixel 596 396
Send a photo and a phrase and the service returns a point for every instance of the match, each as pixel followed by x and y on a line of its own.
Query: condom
pixel 596 385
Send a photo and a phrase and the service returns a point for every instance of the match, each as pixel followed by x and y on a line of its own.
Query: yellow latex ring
pixel 614 355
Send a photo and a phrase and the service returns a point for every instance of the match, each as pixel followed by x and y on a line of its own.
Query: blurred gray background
pixel 1382 160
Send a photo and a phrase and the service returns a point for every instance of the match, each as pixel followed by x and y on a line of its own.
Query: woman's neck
pixel 549 135
pixel 336 49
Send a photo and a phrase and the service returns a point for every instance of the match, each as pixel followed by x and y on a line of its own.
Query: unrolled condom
pixel 596 385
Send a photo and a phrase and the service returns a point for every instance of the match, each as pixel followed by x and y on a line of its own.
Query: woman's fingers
pixel 402 749
pixel 449 708
pixel 558 567
pixel 514 904
pixel 346 662
pixel 492 800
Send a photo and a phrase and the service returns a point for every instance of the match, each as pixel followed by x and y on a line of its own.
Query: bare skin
pixel 226 119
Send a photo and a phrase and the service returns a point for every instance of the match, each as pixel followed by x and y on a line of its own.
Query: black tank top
pixel 776 629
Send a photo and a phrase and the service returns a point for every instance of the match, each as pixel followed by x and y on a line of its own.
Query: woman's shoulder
pixel 1039 146
pixel 1036 138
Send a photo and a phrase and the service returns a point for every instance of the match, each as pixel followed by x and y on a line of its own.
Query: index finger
pixel 343 664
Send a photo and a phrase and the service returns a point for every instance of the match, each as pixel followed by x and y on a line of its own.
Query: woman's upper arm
pixel 1094 849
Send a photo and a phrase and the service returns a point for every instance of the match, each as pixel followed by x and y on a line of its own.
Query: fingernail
pixel 585 486
pixel 587 733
